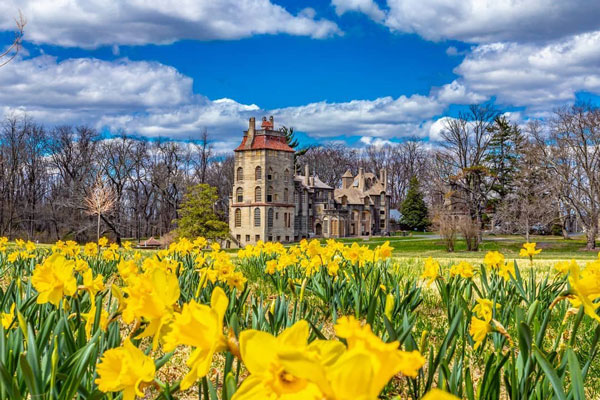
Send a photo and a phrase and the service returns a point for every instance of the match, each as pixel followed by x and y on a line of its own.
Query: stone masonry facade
pixel 271 203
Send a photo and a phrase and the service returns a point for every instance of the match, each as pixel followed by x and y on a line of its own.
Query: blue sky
pixel 360 71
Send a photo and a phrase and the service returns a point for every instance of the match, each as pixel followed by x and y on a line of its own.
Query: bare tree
pixel 203 152
pixel 100 201
pixel 11 52
pixel 463 162
pixel 571 154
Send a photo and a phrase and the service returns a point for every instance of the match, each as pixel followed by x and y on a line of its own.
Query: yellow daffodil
pixel 484 309
pixel 199 326
pixel 493 259
pixel 359 372
pixel 102 242
pixel 3 242
pixel 385 251
pixel 90 250
pixel 269 378
pixel 463 269
pixel 389 305
pixel 563 267
pixel 529 250
pixel 236 280
pixel 91 284
pixel 478 330
pixel 7 318
pixel 431 270
pixel 506 271
pixel 54 279
pixel 151 296
pixel 124 369
pixel 585 286
pixel 127 268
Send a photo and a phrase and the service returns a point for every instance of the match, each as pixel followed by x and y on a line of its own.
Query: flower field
pixel 311 321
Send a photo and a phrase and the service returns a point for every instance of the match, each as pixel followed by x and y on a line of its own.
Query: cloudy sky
pixel 362 71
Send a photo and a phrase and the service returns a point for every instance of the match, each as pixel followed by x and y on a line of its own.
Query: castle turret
pixel 347 179
pixel 262 206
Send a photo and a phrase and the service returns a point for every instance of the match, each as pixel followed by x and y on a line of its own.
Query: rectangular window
pixel 276 216
pixel 279 238
pixel 238 237
pixel 270 238
pixel 257 238
pixel 382 212
pixel 247 238
pixel 287 238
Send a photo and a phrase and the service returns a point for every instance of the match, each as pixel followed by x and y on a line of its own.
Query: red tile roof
pixel 267 124
pixel 266 142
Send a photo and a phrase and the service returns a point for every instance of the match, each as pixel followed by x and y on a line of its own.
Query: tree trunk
pixel 98 230
pixel 591 234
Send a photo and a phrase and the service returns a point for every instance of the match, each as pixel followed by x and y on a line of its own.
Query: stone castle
pixel 270 202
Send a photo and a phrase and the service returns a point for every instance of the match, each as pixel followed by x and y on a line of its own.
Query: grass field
pixel 428 244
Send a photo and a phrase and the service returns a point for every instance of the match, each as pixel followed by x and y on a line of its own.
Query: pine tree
pixel 504 155
pixel 291 140
pixel 413 209
pixel 197 216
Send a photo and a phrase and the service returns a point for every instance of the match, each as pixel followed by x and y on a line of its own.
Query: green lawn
pixel 425 245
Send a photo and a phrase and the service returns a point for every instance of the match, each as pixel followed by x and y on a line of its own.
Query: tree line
pixel 485 173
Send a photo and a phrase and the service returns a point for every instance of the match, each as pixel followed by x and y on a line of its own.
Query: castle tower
pixel 262 203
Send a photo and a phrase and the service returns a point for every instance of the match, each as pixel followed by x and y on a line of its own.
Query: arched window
pixel 270 174
pixel 270 194
pixel 257 217
pixel 238 218
pixel 258 173
pixel 286 176
pixel 239 194
pixel 240 174
pixel 258 194
pixel 286 195
pixel 270 218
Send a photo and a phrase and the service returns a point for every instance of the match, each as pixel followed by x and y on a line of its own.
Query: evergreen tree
pixel 293 143
pixel 197 216
pixel 413 209
pixel 504 156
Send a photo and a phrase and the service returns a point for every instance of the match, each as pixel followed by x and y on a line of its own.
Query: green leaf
pixel 576 377
pixel 550 373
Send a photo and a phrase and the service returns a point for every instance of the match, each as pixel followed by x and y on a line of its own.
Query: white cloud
pixel 382 117
pixel 368 7
pixel 377 142
pixel 484 21
pixel 145 98
pixel 152 99
pixel 92 23
pixel 538 76
pixel 456 93
pixel 92 84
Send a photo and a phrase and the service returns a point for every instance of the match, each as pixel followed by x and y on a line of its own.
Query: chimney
pixel 306 173
pixel 361 179
pixel 251 130
pixel 385 182
pixel 272 122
